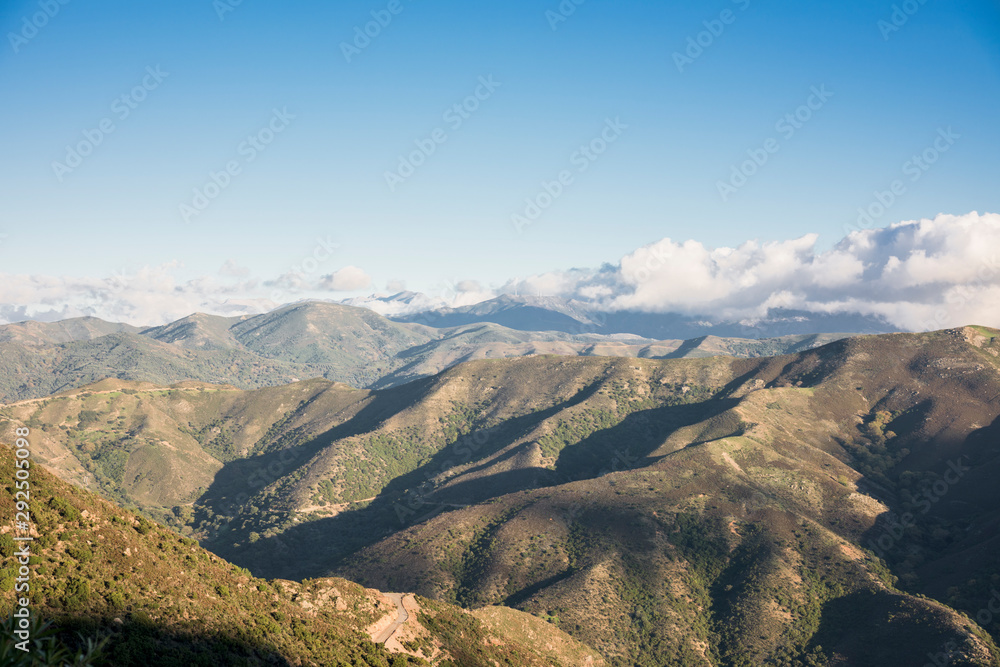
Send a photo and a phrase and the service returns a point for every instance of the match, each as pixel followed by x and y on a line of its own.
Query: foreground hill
pixel 159 599
pixel 340 343
pixel 835 506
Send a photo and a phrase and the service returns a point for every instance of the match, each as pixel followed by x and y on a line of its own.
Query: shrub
pixel 77 594
pixel 65 510
pixel 80 552
pixel 6 545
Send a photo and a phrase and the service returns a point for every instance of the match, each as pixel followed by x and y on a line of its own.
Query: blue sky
pixel 323 176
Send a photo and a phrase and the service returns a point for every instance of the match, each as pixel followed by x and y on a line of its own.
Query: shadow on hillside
pixel 631 441
pixel 685 347
pixel 238 480
pixel 954 501
pixel 143 643
pixel 871 628
pixel 321 547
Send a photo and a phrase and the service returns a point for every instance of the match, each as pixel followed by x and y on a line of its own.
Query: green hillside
pixel 834 506
pixel 153 597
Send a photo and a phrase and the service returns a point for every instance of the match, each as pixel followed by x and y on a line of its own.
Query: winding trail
pixel 401 618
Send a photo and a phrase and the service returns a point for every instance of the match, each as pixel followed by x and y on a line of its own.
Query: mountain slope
pixel 66 331
pixel 197 332
pixel 162 600
pixel 678 511
pixel 306 340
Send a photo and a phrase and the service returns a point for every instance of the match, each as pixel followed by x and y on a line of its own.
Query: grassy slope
pixel 101 570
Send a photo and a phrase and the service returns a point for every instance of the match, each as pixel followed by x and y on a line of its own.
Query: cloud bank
pixel 917 275
pixel 154 295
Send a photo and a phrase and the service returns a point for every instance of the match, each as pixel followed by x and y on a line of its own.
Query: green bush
pixel 77 594
pixel 65 510
pixel 6 545
pixel 80 552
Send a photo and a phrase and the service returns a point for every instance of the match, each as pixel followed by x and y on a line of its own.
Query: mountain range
pixel 831 506
pixel 311 339
pixel 528 313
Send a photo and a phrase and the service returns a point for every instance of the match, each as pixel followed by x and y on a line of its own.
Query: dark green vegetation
pixel 145 595
pixel 835 506
pixel 307 340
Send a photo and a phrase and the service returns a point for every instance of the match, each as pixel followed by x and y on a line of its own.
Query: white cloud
pixel 151 295
pixel 155 295
pixel 922 274
pixel 347 279
pixel 469 286
pixel 234 270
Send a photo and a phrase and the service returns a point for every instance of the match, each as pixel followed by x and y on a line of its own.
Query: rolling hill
pixel 833 506
pixel 340 343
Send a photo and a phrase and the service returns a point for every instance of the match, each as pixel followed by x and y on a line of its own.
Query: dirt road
pixel 401 618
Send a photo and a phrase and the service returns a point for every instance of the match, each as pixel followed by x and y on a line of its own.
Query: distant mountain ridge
pixel 527 313
pixel 342 343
